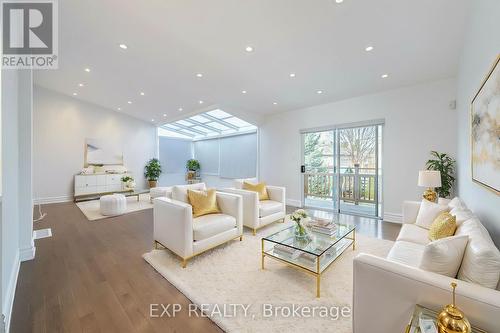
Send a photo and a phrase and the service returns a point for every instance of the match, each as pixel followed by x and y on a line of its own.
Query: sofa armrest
pixel 173 225
pixel 386 292
pixel 410 211
pixel 232 204
pixel 276 193
pixel 250 206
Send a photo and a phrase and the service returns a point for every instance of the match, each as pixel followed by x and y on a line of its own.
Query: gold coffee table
pixel 312 255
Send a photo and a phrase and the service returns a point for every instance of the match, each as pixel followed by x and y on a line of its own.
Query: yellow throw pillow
pixel 259 188
pixel 443 226
pixel 203 202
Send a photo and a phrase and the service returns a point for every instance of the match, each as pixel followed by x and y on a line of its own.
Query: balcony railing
pixel 356 185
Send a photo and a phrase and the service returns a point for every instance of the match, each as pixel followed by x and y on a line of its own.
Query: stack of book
pixel 288 252
pixel 323 227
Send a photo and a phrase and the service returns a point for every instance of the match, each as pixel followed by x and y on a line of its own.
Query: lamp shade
pixel 429 178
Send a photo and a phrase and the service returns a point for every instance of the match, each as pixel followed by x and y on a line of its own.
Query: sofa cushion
pixel 428 212
pixel 203 202
pixel 268 207
pixel 481 262
pixel 238 183
pixel 414 234
pixel 461 214
pixel 207 226
pixel 406 253
pixel 444 255
pixel 260 188
pixel 179 192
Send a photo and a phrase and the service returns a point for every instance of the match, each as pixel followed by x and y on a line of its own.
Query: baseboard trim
pixel 11 292
pixel 393 217
pixel 294 203
pixel 50 200
pixel 27 254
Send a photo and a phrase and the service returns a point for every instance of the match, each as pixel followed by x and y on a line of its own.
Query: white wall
pixel 17 219
pixel 417 120
pixel 481 47
pixel 61 125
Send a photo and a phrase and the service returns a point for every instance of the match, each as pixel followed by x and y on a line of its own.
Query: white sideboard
pixel 98 184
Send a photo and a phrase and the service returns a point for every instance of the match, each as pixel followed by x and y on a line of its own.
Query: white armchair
pixel 257 214
pixel 177 230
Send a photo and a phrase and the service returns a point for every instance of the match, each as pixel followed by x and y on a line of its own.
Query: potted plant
pixel 192 166
pixel 152 171
pixel 446 166
pixel 128 183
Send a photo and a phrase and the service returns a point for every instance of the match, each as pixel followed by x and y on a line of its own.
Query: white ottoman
pixel 158 192
pixel 114 204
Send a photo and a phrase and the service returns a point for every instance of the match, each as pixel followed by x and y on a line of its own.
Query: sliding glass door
pixel 342 170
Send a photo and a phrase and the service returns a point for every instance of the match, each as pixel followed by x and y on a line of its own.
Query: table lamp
pixel 429 179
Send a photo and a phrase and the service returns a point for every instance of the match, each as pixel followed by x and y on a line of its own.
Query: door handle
pixel 302 168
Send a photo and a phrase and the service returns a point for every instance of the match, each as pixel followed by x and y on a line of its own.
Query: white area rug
pixel 231 274
pixel 91 209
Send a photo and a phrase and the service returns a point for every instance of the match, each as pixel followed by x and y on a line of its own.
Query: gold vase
pixel 430 195
pixel 452 319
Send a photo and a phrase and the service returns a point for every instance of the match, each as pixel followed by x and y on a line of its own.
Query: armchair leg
pixel 184 263
pixel 254 232
pixel 241 238
pixel 155 245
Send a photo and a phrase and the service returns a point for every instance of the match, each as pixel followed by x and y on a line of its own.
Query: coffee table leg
pixel 354 239
pixel 318 278
pixel 262 253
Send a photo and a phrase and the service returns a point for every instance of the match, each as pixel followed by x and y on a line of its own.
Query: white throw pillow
pixel 461 214
pixel 481 262
pixel 456 202
pixel 444 255
pixel 428 212
pixel 180 192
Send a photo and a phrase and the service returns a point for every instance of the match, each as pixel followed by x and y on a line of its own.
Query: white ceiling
pixel 322 42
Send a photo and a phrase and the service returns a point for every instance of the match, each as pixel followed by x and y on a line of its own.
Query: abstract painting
pixel 485 131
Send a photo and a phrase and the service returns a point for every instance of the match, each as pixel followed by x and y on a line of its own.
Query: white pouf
pixel 114 204
pixel 158 192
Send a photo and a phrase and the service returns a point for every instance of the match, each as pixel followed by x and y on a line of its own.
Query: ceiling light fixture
pixel 199 75
pixel 129 102
pixel 123 46
pixel 319 92
pixel 180 109
pixel 152 120
pixel 142 93
pixel 384 76
pixel 249 49
pixel 164 115
pixel 339 1
pixel 243 91
pixel 200 102
pixel 369 48
pixel 292 74
pixel 74 94
pixel 80 84
pixel 119 109
pixel 87 70
pixel 275 103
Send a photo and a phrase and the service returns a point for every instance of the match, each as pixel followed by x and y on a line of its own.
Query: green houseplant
pixel 152 171
pixel 445 164
pixel 192 166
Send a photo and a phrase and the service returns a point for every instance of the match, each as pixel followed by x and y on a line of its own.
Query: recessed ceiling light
pixel 275 103
pixel 74 94
pixel 339 1
pixel 200 102
pixel 319 92
pixel 142 93
pixel 80 84
pixel 199 75
pixel 249 49
pixel 369 48
pixel 129 102
pixel 123 46
pixel 152 120
pixel 87 70
pixel 164 115
pixel 243 91
pixel 292 74
pixel 384 76
pixel 119 109
pixel 180 109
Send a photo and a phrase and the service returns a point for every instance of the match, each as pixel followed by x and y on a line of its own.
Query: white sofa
pixel 256 213
pixel 177 230
pixel 386 290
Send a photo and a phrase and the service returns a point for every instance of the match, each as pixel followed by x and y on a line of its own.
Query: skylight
pixel 209 124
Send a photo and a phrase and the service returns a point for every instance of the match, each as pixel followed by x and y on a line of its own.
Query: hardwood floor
pixel 90 277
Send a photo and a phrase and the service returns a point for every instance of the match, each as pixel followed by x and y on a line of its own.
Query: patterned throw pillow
pixel 203 202
pixel 443 226
pixel 259 188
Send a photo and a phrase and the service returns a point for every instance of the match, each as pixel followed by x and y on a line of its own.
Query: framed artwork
pixel 102 152
pixel 485 131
